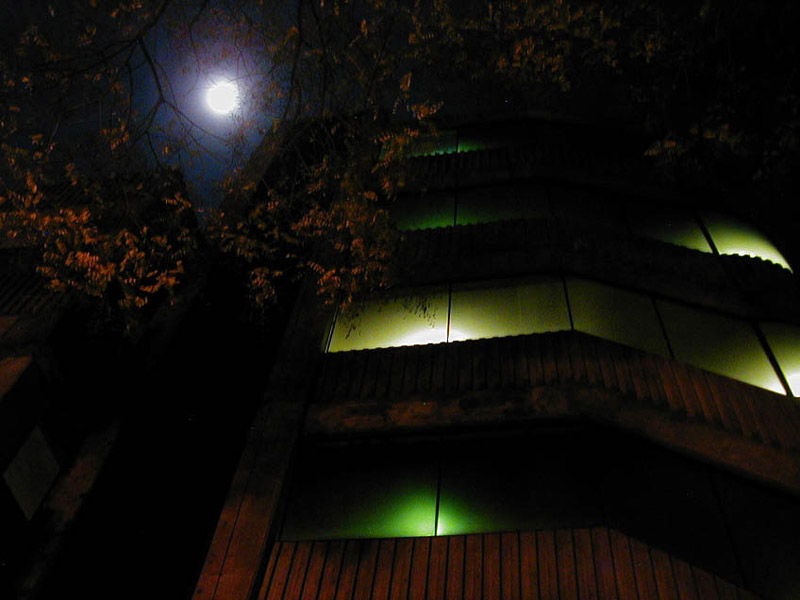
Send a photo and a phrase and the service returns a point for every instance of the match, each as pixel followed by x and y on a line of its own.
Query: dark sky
pixel 204 144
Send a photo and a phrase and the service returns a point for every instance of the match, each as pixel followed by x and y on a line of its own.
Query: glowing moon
pixel 223 98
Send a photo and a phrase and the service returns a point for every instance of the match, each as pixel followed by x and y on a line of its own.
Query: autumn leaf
pixel 405 82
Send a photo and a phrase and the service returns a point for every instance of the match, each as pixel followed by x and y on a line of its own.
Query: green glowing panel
pixel 718 343
pixel 671 225
pixel 395 321
pixel 363 491
pixel 614 314
pixel 445 142
pixel 784 340
pixel 515 484
pixel 427 211
pixel 472 138
pixel 498 204
pixel 472 143
pixel 483 311
pixel 731 236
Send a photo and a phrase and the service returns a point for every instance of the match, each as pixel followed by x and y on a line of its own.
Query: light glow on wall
pixel 731 236
pixel 412 513
pixel 719 344
pixel 514 308
pixel 425 335
pixel 784 341
pixel 370 491
pixel 793 379
pixel 399 321
pixel 670 225
pixel 709 340
pixel 615 314
pixel 457 520
pixel 673 225
pixel 427 211
pixel 444 142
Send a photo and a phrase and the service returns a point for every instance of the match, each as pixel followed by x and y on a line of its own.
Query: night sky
pixel 204 144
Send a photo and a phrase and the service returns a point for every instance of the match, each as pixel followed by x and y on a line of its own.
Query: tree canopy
pixel 96 120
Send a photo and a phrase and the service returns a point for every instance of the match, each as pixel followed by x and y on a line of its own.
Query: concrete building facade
pixel 584 387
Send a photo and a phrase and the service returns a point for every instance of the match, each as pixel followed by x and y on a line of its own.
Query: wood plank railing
pixel 561 360
pixel 563 564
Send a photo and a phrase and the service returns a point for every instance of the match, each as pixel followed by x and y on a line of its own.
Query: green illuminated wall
pixel 383 491
pixel 712 341
pixel 516 308
pixel 451 141
pixel 549 478
pixel 784 340
pixel 404 489
pixel 592 208
pixel 731 236
pixel 614 314
pixel 445 142
pixel 718 343
pixel 419 318
pixel 429 211
pixel 671 225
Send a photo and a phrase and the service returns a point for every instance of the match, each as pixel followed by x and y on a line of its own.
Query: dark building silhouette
pixel 585 388
pixel 68 379
pixel 53 433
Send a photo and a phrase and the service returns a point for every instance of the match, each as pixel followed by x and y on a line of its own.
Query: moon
pixel 223 98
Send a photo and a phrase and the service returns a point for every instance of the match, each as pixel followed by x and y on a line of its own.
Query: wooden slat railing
pixel 563 564
pixel 680 391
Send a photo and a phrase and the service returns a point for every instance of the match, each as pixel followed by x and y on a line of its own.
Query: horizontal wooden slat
pixel 564 564
pixel 566 358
